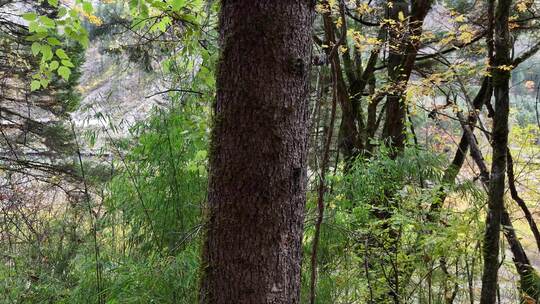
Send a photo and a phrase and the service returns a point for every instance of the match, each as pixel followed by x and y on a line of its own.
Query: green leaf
pixel 29 16
pixel 36 47
pixel 62 12
pixel 33 27
pixel 67 63
pixel 162 6
pixel 47 52
pixel 53 2
pixel 162 24
pixel 166 65
pixel 44 82
pixel 35 85
pixel 177 4
pixel 201 155
pixel 53 41
pixel 198 4
pixel 64 72
pixel 46 21
pixel 84 41
pixel 54 65
pixel 61 54
pixel 87 7
pixel 36 36
pixel 190 18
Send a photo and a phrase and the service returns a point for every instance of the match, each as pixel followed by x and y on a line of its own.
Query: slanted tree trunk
pixel 515 196
pixel 499 142
pixel 258 156
pixel 527 274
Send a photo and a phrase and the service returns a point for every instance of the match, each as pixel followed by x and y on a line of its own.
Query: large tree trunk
pixel 258 154
pixel 500 142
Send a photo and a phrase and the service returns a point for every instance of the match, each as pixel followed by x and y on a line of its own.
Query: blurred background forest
pixel 105 119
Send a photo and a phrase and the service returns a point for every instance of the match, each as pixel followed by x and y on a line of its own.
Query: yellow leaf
pixel 466 37
pixel 460 18
pixel 505 67
pixel 339 23
pixel 364 9
pixel 521 7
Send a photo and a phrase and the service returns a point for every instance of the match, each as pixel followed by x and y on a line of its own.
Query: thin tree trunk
pixel 519 200
pixel 451 173
pixel 403 49
pixel 321 190
pixel 394 126
pixel 401 62
pixel 349 141
pixel 526 272
pixel 258 154
pixel 500 142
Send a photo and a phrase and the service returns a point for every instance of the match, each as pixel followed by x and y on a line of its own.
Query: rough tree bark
pixel 258 156
pixel 500 142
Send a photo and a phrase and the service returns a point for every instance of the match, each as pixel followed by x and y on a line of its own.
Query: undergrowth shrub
pixel 368 258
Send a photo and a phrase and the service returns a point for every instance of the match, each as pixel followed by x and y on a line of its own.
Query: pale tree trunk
pixel 257 187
